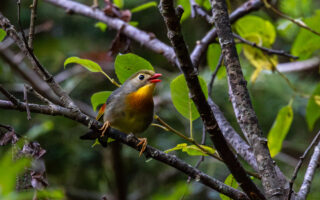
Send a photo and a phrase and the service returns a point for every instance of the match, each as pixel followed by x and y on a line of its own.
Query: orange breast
pixel 141 100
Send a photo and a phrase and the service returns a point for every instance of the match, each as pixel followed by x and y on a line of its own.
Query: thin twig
pixel 39 96
pixel 12 98
pixel 33 18
pixel 25 99
pixel 313 164
pixel 214 74
pixel 23 45
pixel 269 51
pixel 296 170
pixel 299 23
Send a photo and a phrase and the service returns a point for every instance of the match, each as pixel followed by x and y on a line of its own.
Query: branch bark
pixel 246 117
pixel 202 45
pixel 154 153
pixel 172 21
pixel 313 164
pixel 38 68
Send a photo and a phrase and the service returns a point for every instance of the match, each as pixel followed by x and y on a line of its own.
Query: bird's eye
pixel 141 77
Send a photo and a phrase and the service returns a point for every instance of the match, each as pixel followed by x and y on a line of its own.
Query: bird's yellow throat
pixel 142 97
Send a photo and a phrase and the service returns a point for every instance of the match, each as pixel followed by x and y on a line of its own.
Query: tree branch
pixel 245 114
pixel 172 21
pixel 299 65
pixel 269 51
pixel 313 164
pixel 140 36
pixel 132 142
pixel 41 71
pixel 32 22
pixel 202 45
pixel 296 170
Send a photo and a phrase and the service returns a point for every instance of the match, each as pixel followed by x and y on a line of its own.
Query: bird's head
pixel 141 79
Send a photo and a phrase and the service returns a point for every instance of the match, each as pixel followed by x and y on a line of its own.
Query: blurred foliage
pixel 89 173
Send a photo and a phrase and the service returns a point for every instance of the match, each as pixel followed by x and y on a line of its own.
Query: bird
pixel 130 108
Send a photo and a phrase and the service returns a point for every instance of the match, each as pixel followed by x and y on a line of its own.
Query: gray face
pixel 137 81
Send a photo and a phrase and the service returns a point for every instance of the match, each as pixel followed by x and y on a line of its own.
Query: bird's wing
pixel 101 111
pixel 113 95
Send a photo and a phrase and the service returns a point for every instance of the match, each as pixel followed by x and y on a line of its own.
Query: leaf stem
pixel 190 119
pixel 192 141
pixel 110 79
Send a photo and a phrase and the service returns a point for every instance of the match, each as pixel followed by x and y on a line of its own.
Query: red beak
pixel 153 79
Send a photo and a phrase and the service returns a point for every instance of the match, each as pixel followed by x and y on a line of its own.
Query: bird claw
pixel 104 128
pixel 143 142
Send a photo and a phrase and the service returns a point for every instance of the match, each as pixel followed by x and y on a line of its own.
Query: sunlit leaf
pixel 254 25
pixel 144 6
pixel 99 98
pixel 118 3
pixel 51 194
pixel 10 169
pixel 102 26
pixel 306 43
pixel 2 34
pixel 180 96
pixel 127 64
pixel 192 150
pixel 186 7
pixel 279 129
pixel 230 181
pixel 88 64
pixel 313 108
pixel 134 23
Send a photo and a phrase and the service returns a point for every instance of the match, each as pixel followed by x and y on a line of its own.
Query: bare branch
pixel 132 142
pixel 174 34
pixel 25 98
pixel 9 96
pixel 203 44
pixel 32 22
pixel 142 37
pixel 296 170
pixel 299 65
pixel 269 51
pixel 39 96
pixel 22 44
pixel 245 114
pixel 313 164
pixel 214 74
pixel 297 22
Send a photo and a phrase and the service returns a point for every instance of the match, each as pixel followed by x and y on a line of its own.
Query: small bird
pixel 129 108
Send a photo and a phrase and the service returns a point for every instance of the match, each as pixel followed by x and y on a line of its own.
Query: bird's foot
pixel 143 142
pixel 104 128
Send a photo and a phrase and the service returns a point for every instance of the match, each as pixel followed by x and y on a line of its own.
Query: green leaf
pixel 279 129
pixel 2 34
pixel 306 43
pixel 186 7
pixel 99 98
pixel 38 130
pixel 51 194
pixel 102 26
pixel 144 7
pixel 254 25
pixel 192 150
pixel 180 96
pixel 313 108
pixel 134 23
pixel 127 64
pixel 118 3
pixel 295 8
pixel 10 169
pixel 88 64
pixel 230 181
